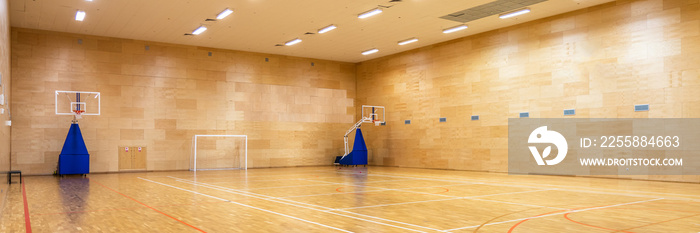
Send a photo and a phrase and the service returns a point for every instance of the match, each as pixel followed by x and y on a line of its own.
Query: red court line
pixel 670 220
pixel 161 212
pixel 654 223
pixel 588 225
pixel 27 224
pixel 614 230
pixel 525 220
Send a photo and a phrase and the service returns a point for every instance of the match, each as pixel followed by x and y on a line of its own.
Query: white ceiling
pixel 258 25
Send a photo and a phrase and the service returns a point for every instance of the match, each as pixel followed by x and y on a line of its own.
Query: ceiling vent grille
pixel 489 9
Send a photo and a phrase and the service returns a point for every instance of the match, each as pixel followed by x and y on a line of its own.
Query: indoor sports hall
pixel 350 116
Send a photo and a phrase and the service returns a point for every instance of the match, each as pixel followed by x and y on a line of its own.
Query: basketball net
pixel 77 114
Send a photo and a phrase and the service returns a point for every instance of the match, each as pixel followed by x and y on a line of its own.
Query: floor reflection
pixel 74 192
pixel 356 176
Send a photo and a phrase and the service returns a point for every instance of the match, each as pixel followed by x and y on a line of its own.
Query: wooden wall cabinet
pixel 132 158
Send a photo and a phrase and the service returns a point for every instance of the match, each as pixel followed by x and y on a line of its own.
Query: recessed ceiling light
pixel 403 42
pixel 326 29
pixel 370 13
pixel 371 51
pixel 292 42
pixel 80 15
pixel 224 13
pixel 514 13
pixel 199 30
pixel 454 29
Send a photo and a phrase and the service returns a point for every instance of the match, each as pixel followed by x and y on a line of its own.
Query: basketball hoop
pixel 78 114
pixel 377 123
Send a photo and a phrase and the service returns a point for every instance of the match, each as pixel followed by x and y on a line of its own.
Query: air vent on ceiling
pixel 489 9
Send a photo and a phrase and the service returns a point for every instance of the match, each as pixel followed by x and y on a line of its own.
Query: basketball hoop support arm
pixel 353 128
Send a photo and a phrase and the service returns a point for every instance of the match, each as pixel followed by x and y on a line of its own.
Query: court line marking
pixel 460 181
pixel 424 193
pixel 248 176
pixel 241 192
pixel 640 226
pixel 553 214
pixel 367 191
pixel 561 187
pixel 291 186
pixel 248 180
pixel 326 183
pixel 287 202
pixel 249 206
pixel 326 194
pixel 305 179
pixel 369 182
pixel 27 222
pixel 507 184
pixel 471 198
pixel 328 210
pixel 300 204
pixel 515 203
pixel 163 213
pixel 245 179
pixel 468 197
pixel 400 203
pixel 385 189
pixel 240 176
pixel 400 178
pixel 454 198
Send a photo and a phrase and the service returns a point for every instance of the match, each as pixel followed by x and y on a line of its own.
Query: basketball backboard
pixel 373 114
pixel 77 103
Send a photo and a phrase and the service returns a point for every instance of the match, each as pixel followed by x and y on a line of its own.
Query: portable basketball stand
pixel 74 157
pixel 358 156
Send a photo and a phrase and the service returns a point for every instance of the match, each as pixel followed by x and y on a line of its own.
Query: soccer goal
pixel 219 152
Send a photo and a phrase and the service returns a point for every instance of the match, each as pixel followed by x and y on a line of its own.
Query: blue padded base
pixel 358 156
pixel 73 164
pixel 74 157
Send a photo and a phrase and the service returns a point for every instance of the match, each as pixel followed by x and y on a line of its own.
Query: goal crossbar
pixel 194 149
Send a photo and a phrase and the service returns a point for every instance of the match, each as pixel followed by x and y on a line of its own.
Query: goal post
pixel 219 152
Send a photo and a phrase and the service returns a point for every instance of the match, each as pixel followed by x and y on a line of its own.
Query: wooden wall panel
pixel 5 131
pixel 160 97
pixel 601 61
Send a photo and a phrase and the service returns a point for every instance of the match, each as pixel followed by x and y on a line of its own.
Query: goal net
pixel 219 152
